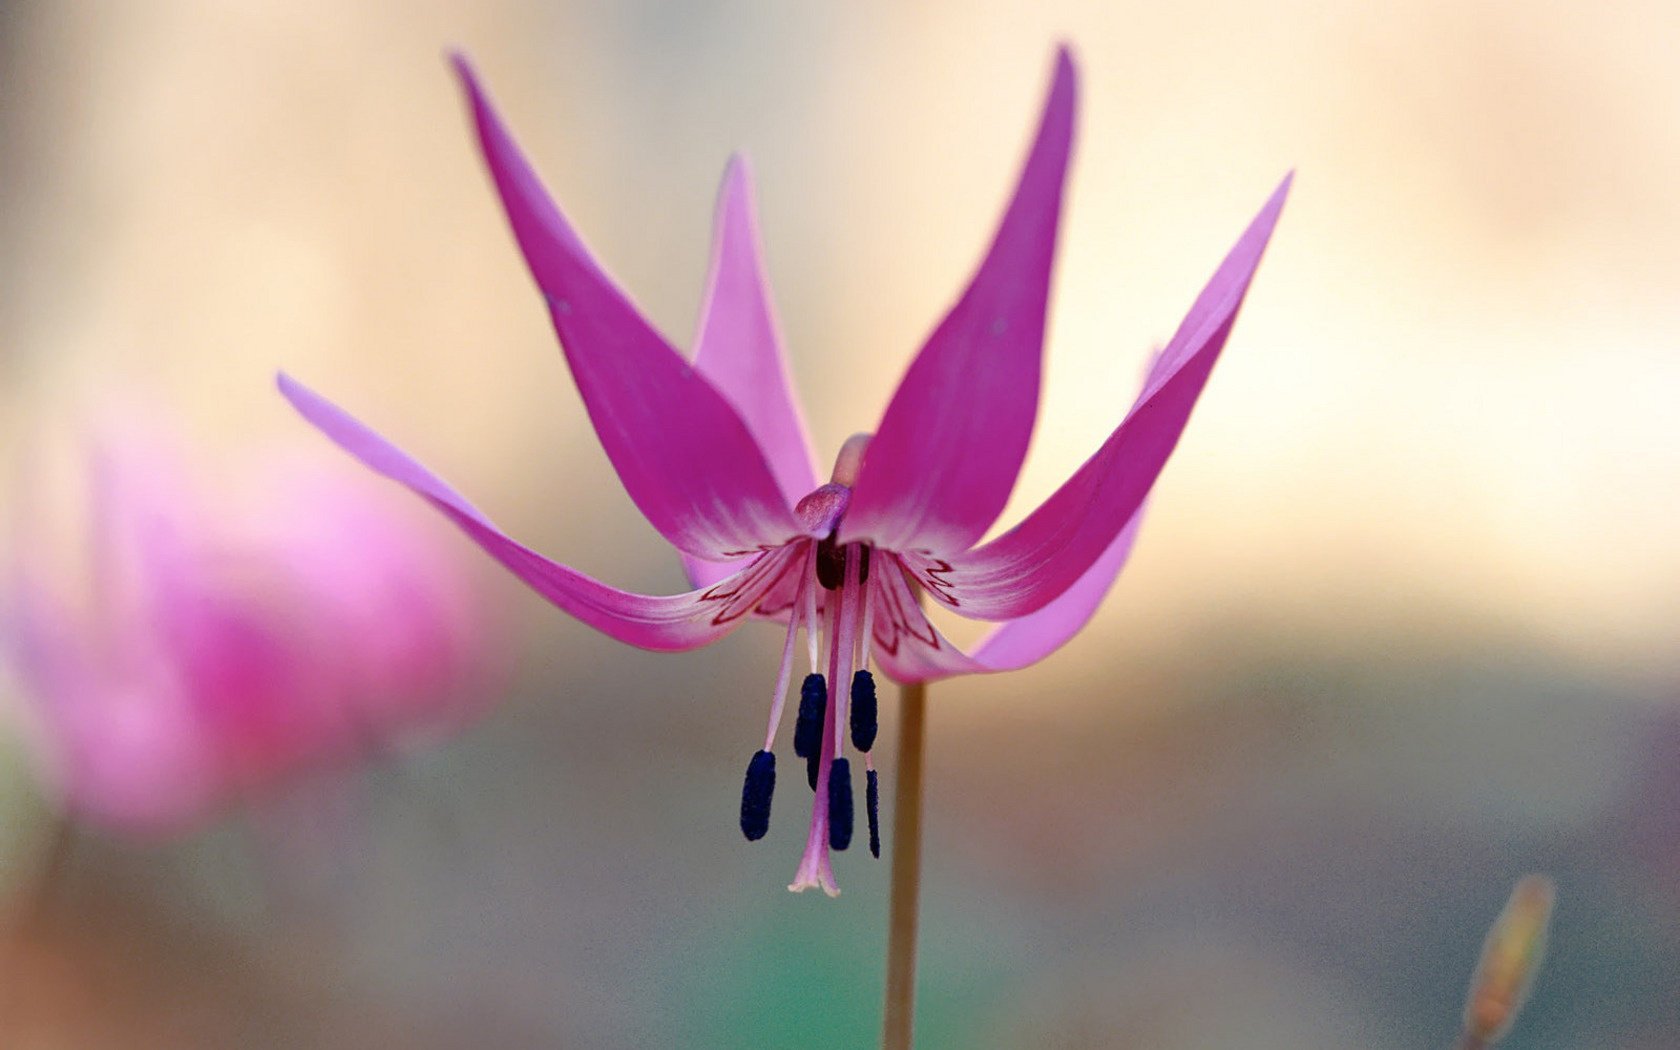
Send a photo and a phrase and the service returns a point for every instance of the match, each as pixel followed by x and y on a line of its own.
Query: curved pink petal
pixel 911 651
pixel 951 443
pixel 676 622
pixel 1019 643
pixel 703 573
pixel 739 349
pixel 906 645
pixel 683 454
pixel 1027 567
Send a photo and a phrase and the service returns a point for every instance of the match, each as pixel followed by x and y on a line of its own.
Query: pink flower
pixel 209 654
pixel 715 454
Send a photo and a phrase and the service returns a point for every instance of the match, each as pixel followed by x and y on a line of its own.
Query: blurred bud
pixel 1511 956
pixel 179 647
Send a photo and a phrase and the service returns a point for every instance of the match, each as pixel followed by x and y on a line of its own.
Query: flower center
pixel 833 606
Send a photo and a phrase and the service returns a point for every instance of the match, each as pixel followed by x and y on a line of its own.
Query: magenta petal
pixel 703 573
pixel 684 455
pixel 951 443
pixel 1019 643
pixel 923 654
pixel 1027 567
pixel 739 350
pixel 677 622
pixel 739 347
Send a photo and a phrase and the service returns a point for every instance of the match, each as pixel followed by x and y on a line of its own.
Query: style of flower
pixel 207 652
pixel 715 454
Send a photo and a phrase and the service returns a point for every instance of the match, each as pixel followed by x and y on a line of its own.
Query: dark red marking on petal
pixel 903 609
pixel 742 592
pixel 932 574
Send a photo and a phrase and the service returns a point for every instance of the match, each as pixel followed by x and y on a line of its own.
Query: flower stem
pixel 897 1029
pixel 1468 1041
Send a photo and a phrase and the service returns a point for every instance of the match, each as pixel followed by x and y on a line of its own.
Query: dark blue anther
pixel 864 724
pixel 808 727
pixel 872 799
pixel 840 804
pixel 813 705
pixel 755 795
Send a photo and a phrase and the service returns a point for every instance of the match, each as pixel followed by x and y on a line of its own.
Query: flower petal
pixel 739 349
pixel 1019 643
pixel 676 622
pixel 684 455
pixel 948 450
pixel 910 649
pixel 1027 567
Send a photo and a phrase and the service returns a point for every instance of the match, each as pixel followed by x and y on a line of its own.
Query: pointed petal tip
pixel 1260 228
pixel 1066 65
pixel 738 168
pixel 1274 202
pixel 317 410
pixel 735 190
pixel 462 65
pixel 465 75
pixel 478 103
pixel 292 390
pixel 1064 82
pixel 478 100
pixel 1283 187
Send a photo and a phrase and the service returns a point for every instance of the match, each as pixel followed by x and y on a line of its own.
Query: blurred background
pixel 1401 626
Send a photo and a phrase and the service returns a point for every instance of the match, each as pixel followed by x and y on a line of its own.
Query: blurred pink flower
pixel 715 454
pixel 211 650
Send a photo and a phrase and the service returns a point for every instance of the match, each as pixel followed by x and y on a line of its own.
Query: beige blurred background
pixel 1403 619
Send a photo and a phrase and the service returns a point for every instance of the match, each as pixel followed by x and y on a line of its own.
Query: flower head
pixel 204 651
pixel 715 455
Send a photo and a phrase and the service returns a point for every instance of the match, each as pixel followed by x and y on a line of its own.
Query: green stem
pixel 897 1032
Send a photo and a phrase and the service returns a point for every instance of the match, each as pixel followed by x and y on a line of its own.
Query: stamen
pixel 808 727
pixel 755 795
pixel 840 804
pixel 813 626
pixel 864 720
pixel 845 640
pixel 866 637
pixel 785 671
pixel 872 800
pixel 815 868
